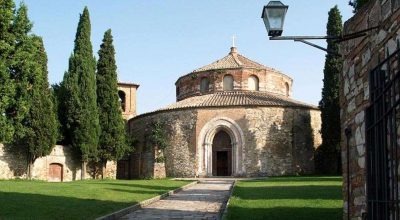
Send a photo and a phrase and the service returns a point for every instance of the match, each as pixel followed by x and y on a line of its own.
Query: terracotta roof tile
pixel 234 99
pixel 232 60
pixel 237 98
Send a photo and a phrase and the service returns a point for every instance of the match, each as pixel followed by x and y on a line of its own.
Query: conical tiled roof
pixel 231 61
pixel 238 98
pixel 234 99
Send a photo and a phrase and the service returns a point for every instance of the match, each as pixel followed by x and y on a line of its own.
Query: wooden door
pixel 222 163
pixel 55 172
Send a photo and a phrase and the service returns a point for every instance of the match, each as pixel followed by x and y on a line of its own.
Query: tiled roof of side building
pixel 235 99
pixel 128 84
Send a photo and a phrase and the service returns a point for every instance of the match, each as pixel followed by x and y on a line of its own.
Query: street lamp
pixel 273 15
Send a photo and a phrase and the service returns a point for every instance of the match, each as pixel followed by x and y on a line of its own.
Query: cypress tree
pixel 7 87
pixel 41 120
pixel 112 144
pixel 329 152
pixel 23 69
pixel 59 108
pixel 80 91
pixel 31 109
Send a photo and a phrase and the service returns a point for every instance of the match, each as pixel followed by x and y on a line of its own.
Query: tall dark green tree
pixel 328 160
pixel 81 98
pixel 41 123
pixel 112 144
pixel 23 71
pixel 59 108
pixel 31 108
pixel 7 88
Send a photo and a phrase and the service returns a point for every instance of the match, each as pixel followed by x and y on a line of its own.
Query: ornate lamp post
pixel 273 15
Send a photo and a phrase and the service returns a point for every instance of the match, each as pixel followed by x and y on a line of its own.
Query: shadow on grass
pixel 155 192
pixel 299 179
pixel 284 213
pixel 144 186
pixel 288 192
pixel 35 206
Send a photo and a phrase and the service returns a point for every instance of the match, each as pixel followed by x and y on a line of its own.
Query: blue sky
pixel 158 41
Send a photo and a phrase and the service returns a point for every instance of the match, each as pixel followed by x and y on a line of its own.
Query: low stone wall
pixel 13 164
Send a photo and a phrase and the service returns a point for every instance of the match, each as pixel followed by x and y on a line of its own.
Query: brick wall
pixel 269 81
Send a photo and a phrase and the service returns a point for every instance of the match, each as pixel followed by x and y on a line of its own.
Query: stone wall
pixel 13 164
pixel 361 55
pixel 180 153
pixel 277 141
pixel 269 81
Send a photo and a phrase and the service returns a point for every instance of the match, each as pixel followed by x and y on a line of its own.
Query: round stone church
pixel 233 117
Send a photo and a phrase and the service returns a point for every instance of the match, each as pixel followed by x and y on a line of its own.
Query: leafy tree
pixel 7 88
pixel 357 4
pixel 82 118
pixel 158 139
pixel 328 158
pixel 112 143
pixel 41 123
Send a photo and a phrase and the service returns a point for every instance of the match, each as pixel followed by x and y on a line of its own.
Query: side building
pixel 62 164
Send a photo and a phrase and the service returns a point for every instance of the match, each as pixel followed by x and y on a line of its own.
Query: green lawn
pixel 280 198
pixel 75 200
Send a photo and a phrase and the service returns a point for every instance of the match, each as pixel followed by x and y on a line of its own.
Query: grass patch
pixel 76 200
pixel 280 198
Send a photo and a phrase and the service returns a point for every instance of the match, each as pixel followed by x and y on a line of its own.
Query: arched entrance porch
pixel 220 140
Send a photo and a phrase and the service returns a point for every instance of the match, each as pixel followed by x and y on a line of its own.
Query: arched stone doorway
pixel 222 154
pixel 222 130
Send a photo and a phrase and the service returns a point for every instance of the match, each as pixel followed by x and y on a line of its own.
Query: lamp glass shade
pixel 274 17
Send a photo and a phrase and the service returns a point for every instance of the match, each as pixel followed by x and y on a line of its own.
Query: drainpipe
pixel 347 132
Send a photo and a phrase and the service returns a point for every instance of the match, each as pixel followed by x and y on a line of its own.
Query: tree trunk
pixel 30 168
pixel 103 168
pixel 83 170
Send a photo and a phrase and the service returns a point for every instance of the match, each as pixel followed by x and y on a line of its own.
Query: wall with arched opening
pixel 253 83
pixel 122 100
pixel 228 83
pixel 263 80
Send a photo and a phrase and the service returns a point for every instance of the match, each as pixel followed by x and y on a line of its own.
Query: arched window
pixel 228 83
pixel 204 85
pixel 287 88
pixel 122 99
pixel 253 83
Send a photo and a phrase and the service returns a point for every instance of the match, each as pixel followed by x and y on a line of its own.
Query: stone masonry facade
pixel 361 55
pixel 277 141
